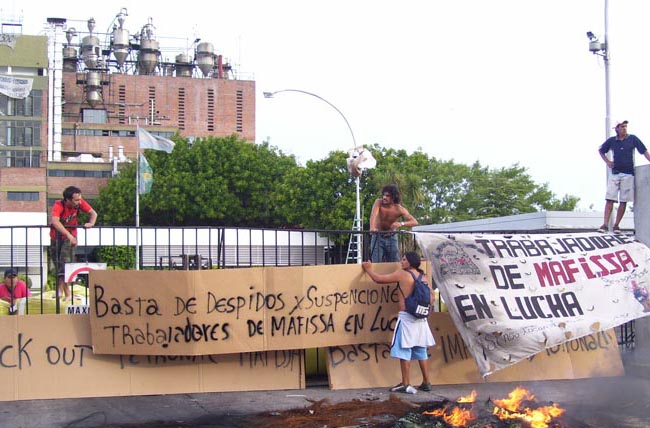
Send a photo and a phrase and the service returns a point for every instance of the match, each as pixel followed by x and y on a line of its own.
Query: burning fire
pixel 468 398
pixel 519 405
pixel 457 414
pixel 514 408
pixel 454 415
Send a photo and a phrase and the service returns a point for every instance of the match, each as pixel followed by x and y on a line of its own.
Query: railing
pixel 26 249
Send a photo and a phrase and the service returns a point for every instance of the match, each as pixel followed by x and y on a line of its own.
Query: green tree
pixel 504 191
pixel 229 182
pixel 321 195
pixel 213 181
pixel 431 189
pixel 406 171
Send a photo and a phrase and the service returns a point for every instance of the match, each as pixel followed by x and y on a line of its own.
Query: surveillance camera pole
pixel 608 127
pixel 602 49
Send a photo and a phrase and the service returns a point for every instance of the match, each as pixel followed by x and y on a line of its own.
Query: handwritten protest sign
pixel 37 364
pixel 370 365
pixel 512 296
pixel 238 310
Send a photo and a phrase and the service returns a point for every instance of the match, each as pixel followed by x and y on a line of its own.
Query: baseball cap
pixel 619 122
pixel 11 272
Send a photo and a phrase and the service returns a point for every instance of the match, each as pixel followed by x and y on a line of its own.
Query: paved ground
pixel 622 402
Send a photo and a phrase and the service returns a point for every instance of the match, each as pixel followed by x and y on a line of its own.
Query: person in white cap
pixel 620 184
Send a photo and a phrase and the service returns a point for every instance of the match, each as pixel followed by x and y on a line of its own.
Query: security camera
pixel 595 46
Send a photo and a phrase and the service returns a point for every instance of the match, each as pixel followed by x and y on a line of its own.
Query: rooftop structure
pixel 537 222
pixel 71 100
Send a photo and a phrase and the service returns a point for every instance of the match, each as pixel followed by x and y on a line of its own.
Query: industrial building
pixel 71 100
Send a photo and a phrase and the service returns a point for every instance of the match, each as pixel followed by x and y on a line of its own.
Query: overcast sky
pixel 503 82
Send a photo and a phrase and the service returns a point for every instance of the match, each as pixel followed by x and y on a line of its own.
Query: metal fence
pixel 26 249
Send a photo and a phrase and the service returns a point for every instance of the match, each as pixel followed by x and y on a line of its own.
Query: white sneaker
pixel 410 390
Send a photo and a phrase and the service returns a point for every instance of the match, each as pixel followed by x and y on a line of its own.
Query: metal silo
pixel 149 50
pixel 93 88
pixel 183 65
pixel 120 41
pixel 205 57
pixel 90 48
pixel 70 53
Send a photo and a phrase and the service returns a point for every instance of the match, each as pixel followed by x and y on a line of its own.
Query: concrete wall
pixel 641 363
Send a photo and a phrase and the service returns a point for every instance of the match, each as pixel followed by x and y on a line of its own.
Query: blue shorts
pixel 414 353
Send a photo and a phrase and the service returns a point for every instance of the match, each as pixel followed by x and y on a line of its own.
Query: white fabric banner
pixel 512 296
pixel 15 87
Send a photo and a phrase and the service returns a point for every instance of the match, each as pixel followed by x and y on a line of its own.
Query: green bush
pixel 51 282
pixel 117 257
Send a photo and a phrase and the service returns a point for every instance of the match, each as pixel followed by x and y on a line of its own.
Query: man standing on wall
pixel 63 233
pixel 620 181
pixel 384 225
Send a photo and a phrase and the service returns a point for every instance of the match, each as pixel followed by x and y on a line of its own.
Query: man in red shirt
pixel 63 233
pixel 13 289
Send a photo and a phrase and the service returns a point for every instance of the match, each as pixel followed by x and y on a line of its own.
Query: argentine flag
pixel 146 140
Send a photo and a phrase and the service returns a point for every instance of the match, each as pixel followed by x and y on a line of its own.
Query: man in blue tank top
pixel 620 181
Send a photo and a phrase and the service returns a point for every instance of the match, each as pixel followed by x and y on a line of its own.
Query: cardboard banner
pixel 239 310
pixel 512 296
pixel 370 365
pixel 36 364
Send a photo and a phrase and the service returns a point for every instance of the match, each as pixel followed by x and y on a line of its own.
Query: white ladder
pixel 355 247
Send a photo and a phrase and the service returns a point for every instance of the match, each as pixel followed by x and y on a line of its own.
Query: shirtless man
pixel 383 222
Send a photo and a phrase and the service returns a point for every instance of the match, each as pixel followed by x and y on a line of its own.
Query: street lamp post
pixel 272 94
pixel 356 225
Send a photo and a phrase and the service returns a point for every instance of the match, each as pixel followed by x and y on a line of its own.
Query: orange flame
pixel 515 397
pixel 510 408
pixel 468 398
pixel 460 416
pixel 454 415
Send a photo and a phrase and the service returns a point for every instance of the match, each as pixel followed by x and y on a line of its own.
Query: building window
pixel 93 116
pixel 99 132
pixel 20 141
pixel 78 173
pixel 121 107
pixel 20 159
pixel 153 113
pixel 20 133
pixel 181 108
pixel 240 111
pixel 27 107
pixel 211 101
pixel 22 196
